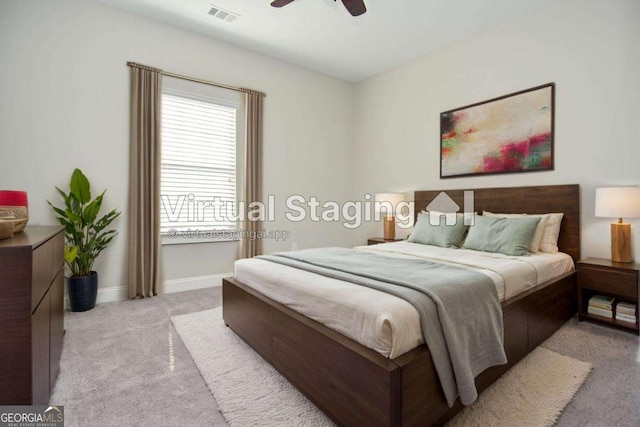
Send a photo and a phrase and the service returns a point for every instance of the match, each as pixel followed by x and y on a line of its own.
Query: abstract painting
pixel 512 133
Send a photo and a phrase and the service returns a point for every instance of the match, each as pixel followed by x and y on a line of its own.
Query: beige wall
pixel 589 48
pixel 64 88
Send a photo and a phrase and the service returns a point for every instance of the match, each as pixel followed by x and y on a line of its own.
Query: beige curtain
pixel 251 247
pixel 144 181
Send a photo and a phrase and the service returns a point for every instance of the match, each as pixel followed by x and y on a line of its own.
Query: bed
pixel 355 385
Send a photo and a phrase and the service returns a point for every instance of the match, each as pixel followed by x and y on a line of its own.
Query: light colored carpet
pixel 115 368
pixel 531 394
pixel 123 365
pixel 251 392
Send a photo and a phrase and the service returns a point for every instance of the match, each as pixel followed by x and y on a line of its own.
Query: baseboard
pixel 193 283
pixel 120 293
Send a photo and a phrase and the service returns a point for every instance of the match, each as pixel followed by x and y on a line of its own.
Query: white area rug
pixel 531 394
pixel 250 392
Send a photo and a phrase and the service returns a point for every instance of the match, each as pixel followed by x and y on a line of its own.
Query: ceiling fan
pixel 355 7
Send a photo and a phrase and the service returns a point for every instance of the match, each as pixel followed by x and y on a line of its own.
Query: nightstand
pixel 377 240
pixel 597 276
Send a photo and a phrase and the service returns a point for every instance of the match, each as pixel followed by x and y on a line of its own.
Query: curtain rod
pixel 191 79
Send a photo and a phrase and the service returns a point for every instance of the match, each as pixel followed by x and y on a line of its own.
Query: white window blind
pixel 198 164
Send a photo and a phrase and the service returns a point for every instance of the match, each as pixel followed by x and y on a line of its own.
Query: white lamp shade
pixel 392 198
pixel 618 202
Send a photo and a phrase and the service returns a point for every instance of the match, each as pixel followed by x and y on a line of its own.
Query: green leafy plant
pixel 85 235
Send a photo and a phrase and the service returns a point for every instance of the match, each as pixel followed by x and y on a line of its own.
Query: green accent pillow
pixel 440 231
pixel 509 236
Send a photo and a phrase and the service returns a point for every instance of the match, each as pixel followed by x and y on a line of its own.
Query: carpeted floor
pixel 124 365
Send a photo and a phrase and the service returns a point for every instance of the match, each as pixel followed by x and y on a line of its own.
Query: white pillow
pixel 549 243
pixel 538 236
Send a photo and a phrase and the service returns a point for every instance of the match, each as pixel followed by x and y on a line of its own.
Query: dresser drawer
pixel 47 262
pixel 611 282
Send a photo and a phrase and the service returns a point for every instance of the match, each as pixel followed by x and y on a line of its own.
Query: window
pixel 199 163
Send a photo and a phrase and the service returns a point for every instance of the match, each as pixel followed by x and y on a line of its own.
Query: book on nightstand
pixel 626 308
pixel 600 312
pixel 601 301
pixel 626 319
pixel 601 305
pixel 626 312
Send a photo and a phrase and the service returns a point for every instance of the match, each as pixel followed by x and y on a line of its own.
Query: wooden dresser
pixel 31 314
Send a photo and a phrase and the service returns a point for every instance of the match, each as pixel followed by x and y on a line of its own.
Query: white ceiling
pixel 323 36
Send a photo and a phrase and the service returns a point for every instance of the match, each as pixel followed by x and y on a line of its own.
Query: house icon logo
pixel 443 206
pixel 446 207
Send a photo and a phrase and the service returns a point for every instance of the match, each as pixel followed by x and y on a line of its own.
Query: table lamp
pixel 387 202
pixel 619 202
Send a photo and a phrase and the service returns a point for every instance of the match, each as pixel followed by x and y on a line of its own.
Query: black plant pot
pixel 83 292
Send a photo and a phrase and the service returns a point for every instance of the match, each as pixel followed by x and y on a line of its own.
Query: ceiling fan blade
pixel 280 3
pixel 355 7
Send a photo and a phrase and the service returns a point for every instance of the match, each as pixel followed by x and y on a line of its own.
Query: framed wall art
pixel 509 134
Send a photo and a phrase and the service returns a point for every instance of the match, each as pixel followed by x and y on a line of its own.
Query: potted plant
pixel 86 236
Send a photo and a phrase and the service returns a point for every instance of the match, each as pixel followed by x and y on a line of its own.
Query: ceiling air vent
pixel 220 13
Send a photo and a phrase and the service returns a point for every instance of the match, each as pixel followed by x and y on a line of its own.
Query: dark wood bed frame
pixel 356 386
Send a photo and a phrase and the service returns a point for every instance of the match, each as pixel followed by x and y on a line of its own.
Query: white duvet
pixel 383 322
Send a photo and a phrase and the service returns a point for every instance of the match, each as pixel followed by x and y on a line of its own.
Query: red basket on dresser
pixel 14 199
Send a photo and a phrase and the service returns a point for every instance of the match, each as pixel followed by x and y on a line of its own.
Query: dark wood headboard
pixel 531 200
